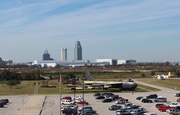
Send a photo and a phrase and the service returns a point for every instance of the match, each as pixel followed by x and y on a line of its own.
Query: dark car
pixel 3 101
pixel 139 98
pixel 159 104
pixel 177 94
pixel 1 105
pixel 146 101
pixel 107 100
pixel 96 94
pixel 152 96
pixel 69 111
pixel 100 97
pixel 6 100
pixel 114 107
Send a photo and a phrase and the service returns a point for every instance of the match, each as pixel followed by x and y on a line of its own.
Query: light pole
pixel 74 85
pixel 83 95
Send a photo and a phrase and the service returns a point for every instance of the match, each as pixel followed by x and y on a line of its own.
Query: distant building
pixel 63 54
pixel 78 51
pixel 116 62
pixel 8 61
pixel 111 61
pixel 53 63
pixel 46 55
pixel 1 61
pixel 126 62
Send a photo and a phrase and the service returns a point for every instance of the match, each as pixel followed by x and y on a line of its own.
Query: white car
pixel 67 102
pixel 77 97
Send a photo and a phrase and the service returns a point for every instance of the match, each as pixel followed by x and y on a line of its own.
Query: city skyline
pixel 144 30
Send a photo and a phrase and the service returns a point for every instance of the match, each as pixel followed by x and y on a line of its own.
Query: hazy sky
pixel 144 30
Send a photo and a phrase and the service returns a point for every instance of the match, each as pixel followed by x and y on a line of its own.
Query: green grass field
pixel 28 87
pixel 169 83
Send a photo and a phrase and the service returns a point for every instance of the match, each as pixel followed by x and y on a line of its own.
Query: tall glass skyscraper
pixel 78 51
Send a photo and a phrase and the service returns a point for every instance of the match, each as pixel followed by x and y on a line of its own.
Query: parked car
pixel 83 102
pixel 163 108
pixel 85 108
pixel 100 97
pixel 96 94
pixel 151 113
pixel 107 100
pixel 114 107
pixel 159 104
pixel 178 99
pixel 160 99
pixel 122 112
pixel 146 101
pixel 4 102
pixel 67 102
pixel 173 111
pixel 88 112
pixel 1 104
pixel 152 96
pixel 68 111
pixel 66 98
pixel 177 94
pixel 121 101
pixel 139 98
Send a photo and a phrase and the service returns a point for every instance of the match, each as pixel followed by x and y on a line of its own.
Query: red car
pixel 163 108
pixel 67 98
pixel 83 102
pixel 178 100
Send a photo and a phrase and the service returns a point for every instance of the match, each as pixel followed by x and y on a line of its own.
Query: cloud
pixel 61 23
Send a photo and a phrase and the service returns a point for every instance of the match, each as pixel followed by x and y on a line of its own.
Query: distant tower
pixel 46 55
pixel 63 54
pixel 78 51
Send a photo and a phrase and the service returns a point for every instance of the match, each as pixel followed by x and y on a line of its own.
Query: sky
pixel 143 30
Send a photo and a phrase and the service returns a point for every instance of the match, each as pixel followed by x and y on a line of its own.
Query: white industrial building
pixel 126 62
pixel 53 63
pixel 111 61
pixel 116 61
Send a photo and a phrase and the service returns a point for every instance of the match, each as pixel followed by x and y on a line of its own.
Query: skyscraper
pixel 46 55
pixel 63 54
pixel 78 51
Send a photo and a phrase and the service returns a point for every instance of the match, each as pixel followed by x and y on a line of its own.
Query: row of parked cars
pixel 171 108
pixel 3 102
pixel 71 106
pixel 121 105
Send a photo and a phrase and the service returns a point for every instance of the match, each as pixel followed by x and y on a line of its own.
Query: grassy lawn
pixel 169 83
pixel 28 87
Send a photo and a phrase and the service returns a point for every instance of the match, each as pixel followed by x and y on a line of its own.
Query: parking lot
pixel 51 104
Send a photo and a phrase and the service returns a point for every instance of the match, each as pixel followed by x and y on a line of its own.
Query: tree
pixel 142 75
pixel 3 76
pixel 13 79
pixel 152 73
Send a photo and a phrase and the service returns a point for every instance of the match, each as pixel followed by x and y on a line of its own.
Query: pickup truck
pixel 67 102
pixel 174 104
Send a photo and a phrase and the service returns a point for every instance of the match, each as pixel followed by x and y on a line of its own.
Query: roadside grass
pixel 169 83
pixel 29 88
pixel 144 88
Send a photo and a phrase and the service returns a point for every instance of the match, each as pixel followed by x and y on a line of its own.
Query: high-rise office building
pixel 63 54
pixel 46 55
pixel 78 51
